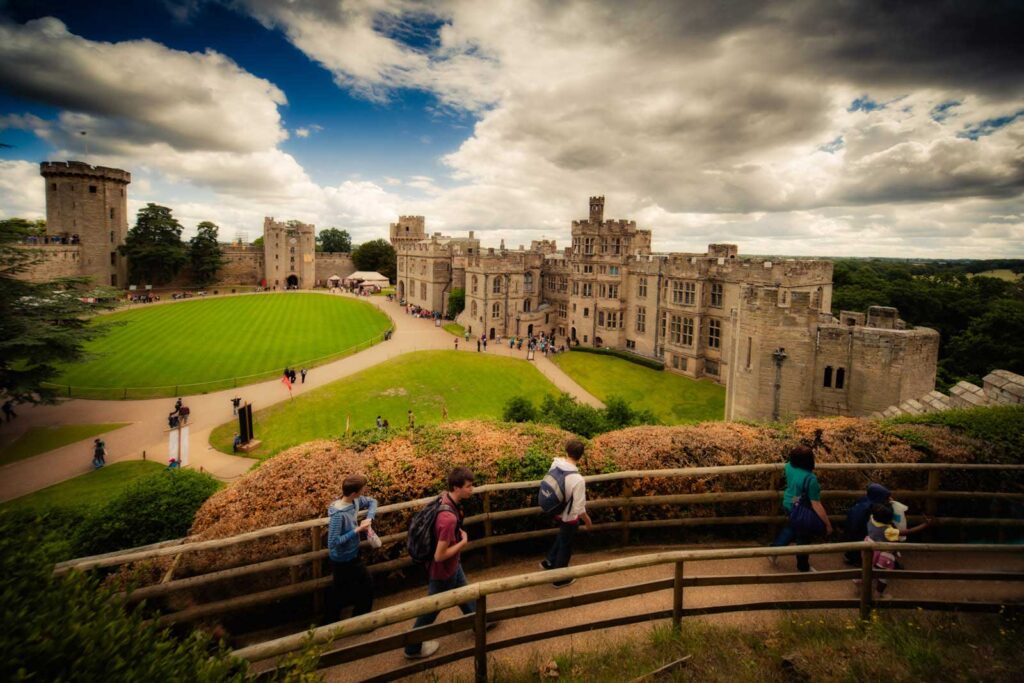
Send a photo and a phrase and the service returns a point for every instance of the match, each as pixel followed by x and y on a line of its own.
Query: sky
pixel 797 127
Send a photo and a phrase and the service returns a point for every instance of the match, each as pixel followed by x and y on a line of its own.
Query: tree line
pixel 980 319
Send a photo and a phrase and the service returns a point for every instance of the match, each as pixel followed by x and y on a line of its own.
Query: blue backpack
pixel 802 517
pixel 551 496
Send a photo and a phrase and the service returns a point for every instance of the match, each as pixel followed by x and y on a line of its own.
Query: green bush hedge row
pixel 625 355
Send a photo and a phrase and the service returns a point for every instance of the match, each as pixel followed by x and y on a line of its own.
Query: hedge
pixel 652 363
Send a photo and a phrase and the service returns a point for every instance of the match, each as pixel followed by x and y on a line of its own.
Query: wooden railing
pixel 317 553
pixel 331 634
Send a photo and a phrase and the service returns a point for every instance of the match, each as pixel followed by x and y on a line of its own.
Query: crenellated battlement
pixel 81 169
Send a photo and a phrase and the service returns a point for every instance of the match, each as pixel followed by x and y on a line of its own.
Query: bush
pixel 652 363
pixel 519 409
pixel 1000 426
pixel 156 508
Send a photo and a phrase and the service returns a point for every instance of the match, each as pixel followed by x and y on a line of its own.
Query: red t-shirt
pixel 446 529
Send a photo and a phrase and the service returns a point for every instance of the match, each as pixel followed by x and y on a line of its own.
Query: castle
pixel 87 220
pixel 762 327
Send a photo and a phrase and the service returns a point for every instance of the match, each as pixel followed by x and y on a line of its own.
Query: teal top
pixel 795 478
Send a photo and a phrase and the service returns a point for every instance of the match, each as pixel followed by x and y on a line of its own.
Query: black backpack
pixel 422 541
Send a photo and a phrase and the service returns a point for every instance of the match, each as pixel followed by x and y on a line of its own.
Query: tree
pixel 333 240
pixel 204 254
pixel 456 302
pixel 992 341
pixel 41 323
pixel 258 242
pixel 154 248
pixel 377 255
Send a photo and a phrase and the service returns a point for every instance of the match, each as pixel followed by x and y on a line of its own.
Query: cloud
pixel 306 131
pixel 21 190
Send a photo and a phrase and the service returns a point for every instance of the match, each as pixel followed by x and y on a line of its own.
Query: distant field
pixel 95 488
pixel 210 340
pixel 1002 274
pixel 470 385
pixel 42 439
pixel 673 398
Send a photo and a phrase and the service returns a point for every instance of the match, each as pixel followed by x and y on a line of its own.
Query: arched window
pixel 496 311
pixel 474 287
pixel 528 282
pixel 828 376
pixel 496 287
pixel 526 305
pixel 840 377
pixel 472 309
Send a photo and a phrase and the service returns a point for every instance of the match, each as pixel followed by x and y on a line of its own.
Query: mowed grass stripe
pixel 217 339
pixel 470 385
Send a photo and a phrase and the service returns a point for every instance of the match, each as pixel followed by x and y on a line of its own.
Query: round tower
pixel 88 206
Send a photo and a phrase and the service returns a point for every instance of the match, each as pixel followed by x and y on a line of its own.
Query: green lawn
pixel 41 439
pixel 471 385
pixel 455 328
pixel 94 488
pixel 213 341
pixel 673 398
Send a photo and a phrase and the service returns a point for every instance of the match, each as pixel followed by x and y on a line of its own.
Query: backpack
pixel 804 520
pixel 551 496
pixel 422 541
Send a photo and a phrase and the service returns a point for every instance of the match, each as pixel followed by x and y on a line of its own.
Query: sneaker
pixel 427 648
pixel 544 565
pixel 563 584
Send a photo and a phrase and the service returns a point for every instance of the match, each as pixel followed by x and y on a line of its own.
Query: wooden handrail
pixel 176 546
pixel 432 603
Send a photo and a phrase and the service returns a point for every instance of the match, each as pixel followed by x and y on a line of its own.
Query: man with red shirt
pixel 445 570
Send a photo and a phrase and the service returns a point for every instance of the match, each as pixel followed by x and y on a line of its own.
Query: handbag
pixel 802 517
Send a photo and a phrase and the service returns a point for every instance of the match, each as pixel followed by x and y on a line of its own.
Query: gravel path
pixel 146 435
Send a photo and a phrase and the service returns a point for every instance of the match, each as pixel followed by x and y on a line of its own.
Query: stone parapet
pixel 1004 387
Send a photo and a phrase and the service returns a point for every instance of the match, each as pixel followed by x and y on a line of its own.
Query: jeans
pixel 353 585
pixel 458 580
pixel 787 536
pixel 561 550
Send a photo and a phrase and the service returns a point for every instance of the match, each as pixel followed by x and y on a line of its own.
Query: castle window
pixel 630 344
pixel 588 289
pixel 472 309
pixel 588 268
pixel 113 258
pixel 92 189
pixel 613 291
pixel 828 376
pixel 616 245
pixel 496 285
pixel 664 322
pixel 111 213
pixel 588 246
pixel 586 312
pixel 716 294
pixel 840 377
pixel 691 293
pixel 641 287
pixel 602 269
pixel 750 344
pixel 711 368
pixel 641 319
pixel 676 330
pixel 122 191
pixel 474 286
pixel 600 318
pixel 423 290
pixel 687 331
pixel 677 292
pixel 111 236
pixel 113 279
pixel 613 320
pixel 683 362
pixel 613 270
pixel 53 186
pixel 714 334
pixel 675 361
pixel 526 305
pixel 496 311
pixel 562 313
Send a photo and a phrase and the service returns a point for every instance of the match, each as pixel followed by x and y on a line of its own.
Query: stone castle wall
pixel 331 263
pixel 53 261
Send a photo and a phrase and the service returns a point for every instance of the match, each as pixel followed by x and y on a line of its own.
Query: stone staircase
pixel 1001 387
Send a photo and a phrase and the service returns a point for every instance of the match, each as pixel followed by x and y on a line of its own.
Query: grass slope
pixel 42 439
pixel 95 488
pixel 215 339
pixel 673 398
pixel 471 385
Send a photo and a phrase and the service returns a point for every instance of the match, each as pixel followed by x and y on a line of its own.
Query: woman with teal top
pixel 800 480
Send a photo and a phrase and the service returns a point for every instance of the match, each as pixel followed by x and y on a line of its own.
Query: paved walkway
pixel 543 651
pixel 147 434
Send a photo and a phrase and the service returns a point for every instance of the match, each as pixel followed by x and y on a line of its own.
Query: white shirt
pixel 575 490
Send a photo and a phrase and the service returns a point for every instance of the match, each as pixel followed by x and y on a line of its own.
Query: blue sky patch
pixel 988 126
pixel 941 112
pixel 834 146
pixel 865 104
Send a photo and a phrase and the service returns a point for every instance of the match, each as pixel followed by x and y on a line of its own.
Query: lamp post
pixel 779 355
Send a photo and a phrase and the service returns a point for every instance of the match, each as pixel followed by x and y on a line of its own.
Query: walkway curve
pixel 146 434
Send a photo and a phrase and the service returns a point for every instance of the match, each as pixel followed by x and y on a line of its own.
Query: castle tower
pixel 88 205
pixel 597 209
pixel 289 254
pixel 407 230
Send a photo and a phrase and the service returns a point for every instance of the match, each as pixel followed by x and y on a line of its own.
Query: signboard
pixel 177 445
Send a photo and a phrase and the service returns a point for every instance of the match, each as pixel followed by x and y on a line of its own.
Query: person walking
pixel 235 402
pixel 477 350
pixel 303 372
pixel 564 478
pixel 802 488
pixel 99 453
pixel 445 569
pixel 857 519
pixel 485 343
pixel 380 423
pixel 178 404
pixel 8 408
pixel 352 582
pixel 412 420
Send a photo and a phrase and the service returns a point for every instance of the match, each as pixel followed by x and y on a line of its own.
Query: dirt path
pixel 146 435
pixel 693 597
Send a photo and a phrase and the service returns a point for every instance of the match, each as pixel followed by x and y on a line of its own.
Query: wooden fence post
pixel 677 598
pixel 316 536
pixel 480 638
pixel 627 510
pixel 931 503
pixel 489 550
pixel 867 557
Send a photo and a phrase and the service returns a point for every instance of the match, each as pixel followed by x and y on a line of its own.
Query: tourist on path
pixel 456 343
pixel 478 346
pixel 412 420
pixel 445 570
pixel 380 423
pixel 801 481
pixel 99 453
pixel 565 474
pixel 9 413
pixel 303 372
pixel 857 519
pixel 352 582
pixel 235 402
pixel 178 404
